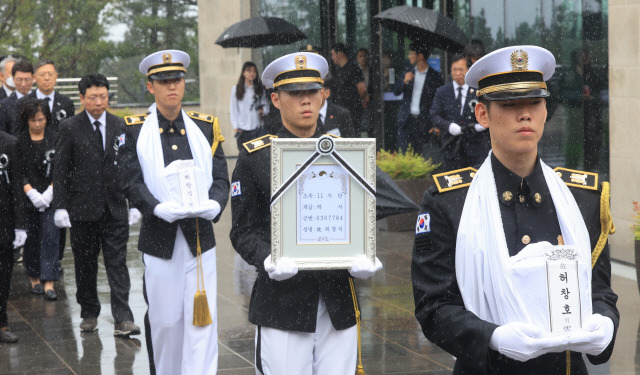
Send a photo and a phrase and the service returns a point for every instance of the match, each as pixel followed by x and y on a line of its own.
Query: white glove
pixel 285 269
pixel 61 218
pixel 479 128
pixel 594 337
pixel 364 268
pixel 134 216
pixel 170 211
pixel 21 237
pixel 48 195
pixel 455 129
pixel 37 199
pixel 207 210
pixel 523 341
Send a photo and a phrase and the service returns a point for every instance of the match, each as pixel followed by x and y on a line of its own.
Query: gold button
pixel 183 132
pixel 174 147
pixel 521 198
pixel 526 239
pixel 538 197
pixel 507 195
pixel 161 130
pixel 171 130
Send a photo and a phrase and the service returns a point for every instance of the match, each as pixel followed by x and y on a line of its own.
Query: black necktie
pixel 459 100
pixel 98 134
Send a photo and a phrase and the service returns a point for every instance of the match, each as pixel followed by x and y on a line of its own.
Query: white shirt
pixel 7 90
pixel 103 126
pixel 51 96
pixel 323 112
pixel 18 95
pixel 244 113
pixel 465 88
pixel 418 85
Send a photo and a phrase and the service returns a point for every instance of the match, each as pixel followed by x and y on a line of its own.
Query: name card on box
pixel 563 287
pixel 188 183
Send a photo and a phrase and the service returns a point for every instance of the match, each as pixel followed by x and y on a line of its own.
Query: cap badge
pixel 166 58
pixel 301 62
pixel 519 60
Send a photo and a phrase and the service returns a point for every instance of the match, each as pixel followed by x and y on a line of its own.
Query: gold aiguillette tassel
pixel 201 313
pixel 359 368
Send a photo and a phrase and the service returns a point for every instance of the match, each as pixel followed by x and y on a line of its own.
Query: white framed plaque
pixel 563 288
pixel 323 209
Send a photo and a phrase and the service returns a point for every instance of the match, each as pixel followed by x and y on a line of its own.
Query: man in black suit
pixel 22 73
pixel 465 142
pixel 89 200
pixel 11 225
pixel 335 119
pixel 176 237
pixel 6 64
pixel 419 86
pixel 61 106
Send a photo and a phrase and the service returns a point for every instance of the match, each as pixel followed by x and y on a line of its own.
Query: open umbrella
pixel 390 200
pixel 259 32
pixel 424 25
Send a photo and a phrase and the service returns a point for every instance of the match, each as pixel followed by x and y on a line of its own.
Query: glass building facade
pixel 575 31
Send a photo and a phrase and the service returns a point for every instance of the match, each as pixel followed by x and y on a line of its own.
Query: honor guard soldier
pixel 484 237
pixel 306 322
pixel 177 242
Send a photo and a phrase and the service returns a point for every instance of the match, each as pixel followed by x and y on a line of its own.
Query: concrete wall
pixel 220 67
pixel 624 91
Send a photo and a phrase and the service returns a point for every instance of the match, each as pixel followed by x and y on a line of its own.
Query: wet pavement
pixel 392 342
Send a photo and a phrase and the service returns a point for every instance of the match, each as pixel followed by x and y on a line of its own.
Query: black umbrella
pixel 259 32
pixel 425 26
pixel 390 200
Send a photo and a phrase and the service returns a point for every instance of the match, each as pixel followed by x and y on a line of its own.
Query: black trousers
pixel 87 238
pixel 6 268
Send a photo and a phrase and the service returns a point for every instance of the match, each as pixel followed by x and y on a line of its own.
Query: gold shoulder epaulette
pixel 135 119
pixel 454 179
pixel 200 116
pixel 258 143
pixel 217 135
pixel 333 135
pixel 581 179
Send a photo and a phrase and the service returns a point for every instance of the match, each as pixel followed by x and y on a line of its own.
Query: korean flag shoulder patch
pixel 235 189
pixel 423 224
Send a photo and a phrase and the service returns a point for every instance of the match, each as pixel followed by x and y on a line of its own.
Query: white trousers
pixel 179 347
pixel 327 351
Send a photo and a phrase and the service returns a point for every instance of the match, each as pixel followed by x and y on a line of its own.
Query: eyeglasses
pixel 23 80
pixel 95 98
pixel 45 74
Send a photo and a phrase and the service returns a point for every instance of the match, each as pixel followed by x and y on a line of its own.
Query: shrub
pixel 405 166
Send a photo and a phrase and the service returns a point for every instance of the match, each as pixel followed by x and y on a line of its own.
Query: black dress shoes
pixel 50 295
pixel 7 336
pixel 37 289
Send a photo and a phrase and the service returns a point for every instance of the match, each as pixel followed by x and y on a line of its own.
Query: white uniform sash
pixel 163 182
pixel 503 289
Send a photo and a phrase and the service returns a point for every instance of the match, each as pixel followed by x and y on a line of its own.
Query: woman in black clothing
pixel 36 148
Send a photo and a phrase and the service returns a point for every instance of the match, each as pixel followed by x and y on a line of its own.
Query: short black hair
pixel 90 80
pixel 366 51
pixel 458 56
pixel 42 63
pixel 24 66
pixel 329 82
pixel 29 109
pixel 419 49
pixel 474 49
pixel 340 47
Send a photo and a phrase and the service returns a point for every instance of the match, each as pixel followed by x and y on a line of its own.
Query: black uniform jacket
pixel 157 237
pixel 291 304
pixel 63 108
pixel 338 117
pixel 439 306
pixel 35 160
pixel 11 214
pixel 85 177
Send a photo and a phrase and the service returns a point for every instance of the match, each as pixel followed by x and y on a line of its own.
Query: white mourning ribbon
pixel 324 147
pixel 163 182
pixel 503 289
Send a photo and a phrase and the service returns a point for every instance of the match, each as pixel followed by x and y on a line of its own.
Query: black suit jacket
pixel 63 108
pixel 431 84
pixel 8 114
pixel 439 307
pixel 338 117
pixel 157 237
pixel 11 213
pixel 3 94
pixel 85 178
pixel 471 145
